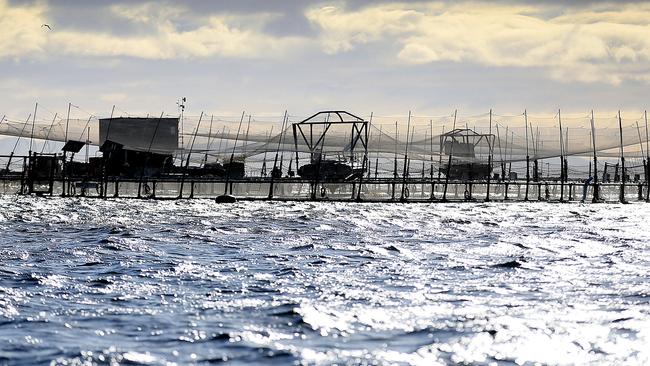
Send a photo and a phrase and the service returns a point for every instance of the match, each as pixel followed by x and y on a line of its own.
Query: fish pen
pixel 330 156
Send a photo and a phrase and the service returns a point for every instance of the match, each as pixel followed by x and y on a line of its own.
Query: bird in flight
pixel 46 25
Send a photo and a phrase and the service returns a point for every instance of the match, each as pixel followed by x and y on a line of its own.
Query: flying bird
pixel 46 25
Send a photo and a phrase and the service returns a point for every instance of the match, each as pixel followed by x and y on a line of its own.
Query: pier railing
pixel 371 190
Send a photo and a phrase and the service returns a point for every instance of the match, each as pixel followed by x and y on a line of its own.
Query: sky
pixel 264 57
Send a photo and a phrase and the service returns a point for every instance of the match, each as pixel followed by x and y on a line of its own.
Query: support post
pixel 451 153
pixel 487 192
pixel 527 158
pixel 620 129
pixel 559 115
pixel 596 195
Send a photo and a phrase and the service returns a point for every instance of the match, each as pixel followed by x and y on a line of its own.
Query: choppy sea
pixel 86 281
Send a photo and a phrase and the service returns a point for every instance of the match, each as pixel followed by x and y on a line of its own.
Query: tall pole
pixel 645 170
pixel 266 148
pixel 620 130
pixel 65 153
pixel 527 157
pixel 248 128
pixel 65 170
pixel 29 161
pixel 189 154
pixel 67 122
pixel 295 146
pixel 367 142
pixel 221 138
pixel 406 158
pixel 377 153
pixel 501 163
pixel 181 105
pixel 394 164
pixel 47 136
pixel 108 129
pixel 647 151
pixel 107 158
pixel 451 153
pixel 490 142
pixel 31 137
pixel 596 197
pixel 512 138
pixel 146 161
pixel 232 155
pixel 566 148
pixel 207 147
pixel 442 132
pixel 366 160
pixel 431 159
pixel 275 161
pixel 559 117
pixel 17 141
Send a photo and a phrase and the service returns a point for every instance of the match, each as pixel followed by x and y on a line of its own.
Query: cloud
pixel 586 42
pixel 598 42
pixel 21 29
pixel 163 32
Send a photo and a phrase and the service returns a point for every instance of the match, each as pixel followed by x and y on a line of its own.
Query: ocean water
pixel 85 281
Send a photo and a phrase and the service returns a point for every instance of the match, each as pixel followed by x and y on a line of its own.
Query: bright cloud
pixel 591 43
pixel 599 43
pixel 21 31
pixel 160 35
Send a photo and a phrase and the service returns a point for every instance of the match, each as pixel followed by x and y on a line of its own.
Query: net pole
pixel 647 150
pixel 559 117
pixel 490 143
pixel 596 197
pixel 451 153
pixel 527 158
pixel 620 130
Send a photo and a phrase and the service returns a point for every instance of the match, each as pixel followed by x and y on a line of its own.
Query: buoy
pixel 226 198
